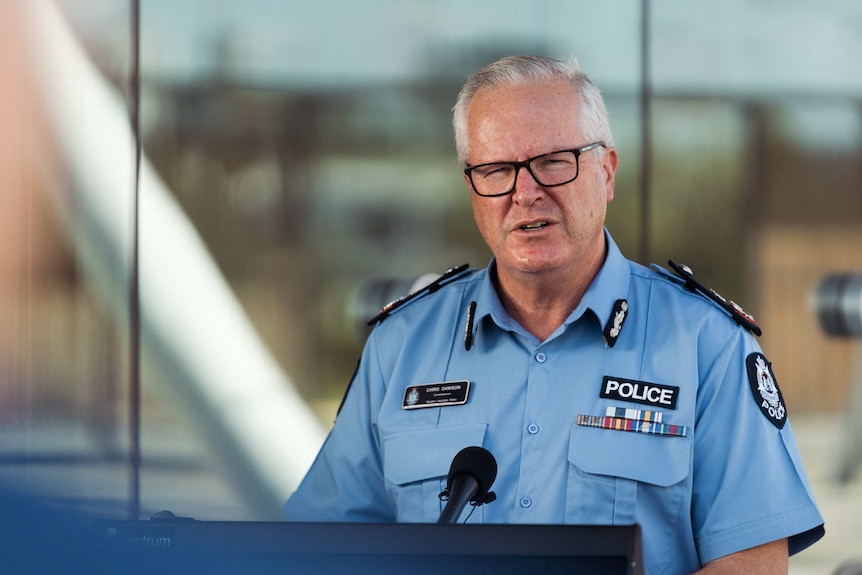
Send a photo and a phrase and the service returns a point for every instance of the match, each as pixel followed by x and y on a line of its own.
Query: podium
pixel 373 548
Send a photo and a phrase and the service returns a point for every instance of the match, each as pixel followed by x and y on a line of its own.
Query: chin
pixel 534 265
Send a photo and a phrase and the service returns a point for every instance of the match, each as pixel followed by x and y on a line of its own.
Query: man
pixel 608 392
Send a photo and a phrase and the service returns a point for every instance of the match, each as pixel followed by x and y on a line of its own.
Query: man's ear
pixel 610 162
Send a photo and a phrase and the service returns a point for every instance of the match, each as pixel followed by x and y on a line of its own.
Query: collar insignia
pixel 616 321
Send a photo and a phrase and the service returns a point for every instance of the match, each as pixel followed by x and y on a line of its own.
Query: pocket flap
pixel 420 454
pixel 656 459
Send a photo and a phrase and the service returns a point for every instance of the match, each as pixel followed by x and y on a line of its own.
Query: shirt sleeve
pixel 345 482
pixel 750 487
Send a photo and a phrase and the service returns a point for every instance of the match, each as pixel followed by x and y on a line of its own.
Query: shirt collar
pixel 610 284
pixel 488 303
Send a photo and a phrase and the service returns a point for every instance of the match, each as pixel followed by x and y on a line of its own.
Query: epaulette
pixel 738 314
pixel 448 276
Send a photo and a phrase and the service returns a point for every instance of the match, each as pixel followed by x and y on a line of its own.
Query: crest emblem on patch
pixel 412 397
pixel 765 389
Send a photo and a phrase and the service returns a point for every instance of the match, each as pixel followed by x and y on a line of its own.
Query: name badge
pixel 441 394
pixel 643 392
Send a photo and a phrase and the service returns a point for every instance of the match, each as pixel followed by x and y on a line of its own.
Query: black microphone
pixel 471 475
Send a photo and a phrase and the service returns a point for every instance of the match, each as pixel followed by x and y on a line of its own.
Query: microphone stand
pixel 464 490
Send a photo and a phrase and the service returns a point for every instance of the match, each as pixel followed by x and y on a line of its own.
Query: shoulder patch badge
pixel 738 314
pixel 765 389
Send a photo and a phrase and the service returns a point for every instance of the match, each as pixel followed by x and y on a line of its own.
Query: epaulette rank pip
pixel 738 314
pixel 447 277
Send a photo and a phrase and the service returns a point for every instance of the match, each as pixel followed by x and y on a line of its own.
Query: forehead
pixel 516 121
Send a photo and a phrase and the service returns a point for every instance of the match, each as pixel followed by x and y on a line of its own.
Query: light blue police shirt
pixel 714 476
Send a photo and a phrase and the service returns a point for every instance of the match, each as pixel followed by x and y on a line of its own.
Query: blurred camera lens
pixel 839 304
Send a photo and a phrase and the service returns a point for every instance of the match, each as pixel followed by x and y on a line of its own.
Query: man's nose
pixel 527 188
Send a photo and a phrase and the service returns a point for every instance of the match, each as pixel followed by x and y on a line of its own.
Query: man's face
pixel 538 229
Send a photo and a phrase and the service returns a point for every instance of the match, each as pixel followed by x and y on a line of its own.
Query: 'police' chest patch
pixel 765 389
pixel 654 394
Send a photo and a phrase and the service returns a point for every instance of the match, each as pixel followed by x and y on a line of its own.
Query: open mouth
pixel 534 226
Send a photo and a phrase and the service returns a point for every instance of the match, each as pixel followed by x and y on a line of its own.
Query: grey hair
pixel 514 70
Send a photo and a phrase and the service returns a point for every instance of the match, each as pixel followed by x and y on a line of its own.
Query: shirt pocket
pixel 416 464
pixel 623 477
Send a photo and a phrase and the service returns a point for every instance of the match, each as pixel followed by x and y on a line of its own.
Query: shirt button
pixel 526 502
pixel 541 357
pixel 533 429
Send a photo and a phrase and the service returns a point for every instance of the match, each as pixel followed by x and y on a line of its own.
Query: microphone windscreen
pixel 477 462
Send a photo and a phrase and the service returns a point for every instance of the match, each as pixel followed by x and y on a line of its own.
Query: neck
pixel 541 302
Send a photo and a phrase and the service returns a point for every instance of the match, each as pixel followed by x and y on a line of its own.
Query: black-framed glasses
pixel 549 170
